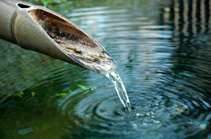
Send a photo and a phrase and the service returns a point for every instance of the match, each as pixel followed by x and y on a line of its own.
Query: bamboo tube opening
pixel 70 38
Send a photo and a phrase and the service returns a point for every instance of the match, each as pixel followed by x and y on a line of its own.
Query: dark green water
pixel 163 52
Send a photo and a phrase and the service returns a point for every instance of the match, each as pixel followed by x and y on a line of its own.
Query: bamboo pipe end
pixel 63 39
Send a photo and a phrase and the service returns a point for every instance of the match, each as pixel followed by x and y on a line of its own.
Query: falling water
pixel 119 86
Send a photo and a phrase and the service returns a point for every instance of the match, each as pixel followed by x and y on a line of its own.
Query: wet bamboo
pixel 40 29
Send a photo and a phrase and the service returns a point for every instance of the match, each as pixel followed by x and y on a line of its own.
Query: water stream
pixel 119 87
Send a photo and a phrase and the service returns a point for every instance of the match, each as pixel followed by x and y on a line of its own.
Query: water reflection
pixel 162 49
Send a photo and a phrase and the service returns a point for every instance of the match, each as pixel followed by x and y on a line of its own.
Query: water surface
pixel 162 49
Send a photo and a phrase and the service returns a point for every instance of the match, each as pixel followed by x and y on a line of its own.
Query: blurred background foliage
pixel 82 3
pixel 45 2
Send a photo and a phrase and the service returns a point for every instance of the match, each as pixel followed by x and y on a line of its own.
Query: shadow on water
pixel 162 49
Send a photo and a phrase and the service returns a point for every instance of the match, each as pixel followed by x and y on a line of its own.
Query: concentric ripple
pixel 153 115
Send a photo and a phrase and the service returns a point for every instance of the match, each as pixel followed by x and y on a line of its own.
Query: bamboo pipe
pixel 40 29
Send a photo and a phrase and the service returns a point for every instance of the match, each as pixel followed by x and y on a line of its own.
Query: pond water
pixel 163 52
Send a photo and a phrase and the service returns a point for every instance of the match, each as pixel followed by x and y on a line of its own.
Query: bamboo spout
pixel 40 29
